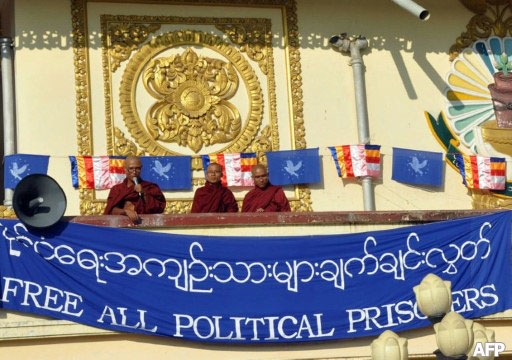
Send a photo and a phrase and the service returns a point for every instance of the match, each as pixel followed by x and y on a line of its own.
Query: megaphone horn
pixel 39 201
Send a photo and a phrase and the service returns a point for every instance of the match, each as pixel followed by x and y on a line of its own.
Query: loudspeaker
pixel 39 201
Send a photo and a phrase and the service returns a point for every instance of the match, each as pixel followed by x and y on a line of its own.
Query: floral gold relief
pixel 253 40
pixel 192 81
pixel 124 38
pixel 193 107
pixel 7 212
pixel 192 93
pixel 125 147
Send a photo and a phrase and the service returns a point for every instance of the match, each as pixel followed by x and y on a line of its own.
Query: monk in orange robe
pixel 134 196
pixel 265 197
pixel 213 197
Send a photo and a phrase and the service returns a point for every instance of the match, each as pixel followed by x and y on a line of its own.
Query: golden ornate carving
pixel 252 38
pixel 262 144
pixel 304 203
pixel 492 17
pixel 254 24
pixel 81 62
pixel 192 108
pixel 187 89
pixel 7 212
pixel 486 200
pixel 178 207
pixel 125 38
pixel 88 203
pixel 125 147
pixel 198 181
pixel 197 163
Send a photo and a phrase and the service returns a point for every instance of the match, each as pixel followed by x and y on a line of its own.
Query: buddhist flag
pixel 96 172
pixel 356 160
pixel 17 166
pixel 236 168
pixel 479 172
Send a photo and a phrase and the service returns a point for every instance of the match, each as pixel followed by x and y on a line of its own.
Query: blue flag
pixel 417 167
pixel 294 167
pixel 17 166
pixel 169 172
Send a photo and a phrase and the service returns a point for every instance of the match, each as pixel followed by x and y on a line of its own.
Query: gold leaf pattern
pixel 253 40
pixel 202 102
pixel 125 38
pixel 192 108
pixel 125 147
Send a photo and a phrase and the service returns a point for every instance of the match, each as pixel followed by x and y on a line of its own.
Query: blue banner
pixel 253 289
pixel 294 167
pixel 17 166
pixel 417 167
pixel 168 172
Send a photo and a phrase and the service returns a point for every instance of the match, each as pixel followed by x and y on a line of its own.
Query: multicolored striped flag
pixel 356 160
pixel 236 168
pixel 96 172
pixel 479 172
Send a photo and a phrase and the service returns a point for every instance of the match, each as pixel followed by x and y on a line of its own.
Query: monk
pixel 134 196
pixel 265 197
pixel 213 197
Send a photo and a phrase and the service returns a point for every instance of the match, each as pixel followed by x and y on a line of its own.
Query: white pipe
pixel 355 46
pixel 8 104
pixel 418 11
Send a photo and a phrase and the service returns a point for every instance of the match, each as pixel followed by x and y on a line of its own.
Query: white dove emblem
pixel 417 166
pixel 16 172
pixel 161 170
pixel 291 168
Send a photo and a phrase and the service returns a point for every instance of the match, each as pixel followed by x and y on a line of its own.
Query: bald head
pixel 259 168
pixel 260 175
pixel 133 166
pixel 132 158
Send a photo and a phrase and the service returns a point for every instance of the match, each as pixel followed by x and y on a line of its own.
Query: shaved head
pixel 213 167
pixel 132 166
pixel 132 158
pixel 260 176
pixel 259 168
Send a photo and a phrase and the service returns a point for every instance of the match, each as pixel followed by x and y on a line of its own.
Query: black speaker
pixel 39 201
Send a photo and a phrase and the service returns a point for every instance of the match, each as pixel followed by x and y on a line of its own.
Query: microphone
pixel 136 182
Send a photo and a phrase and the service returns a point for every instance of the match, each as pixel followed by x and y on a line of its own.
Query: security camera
pixel 338 40
pixel 413 8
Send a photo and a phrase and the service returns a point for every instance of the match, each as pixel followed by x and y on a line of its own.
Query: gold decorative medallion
pixel 192 94
pixel 193 105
